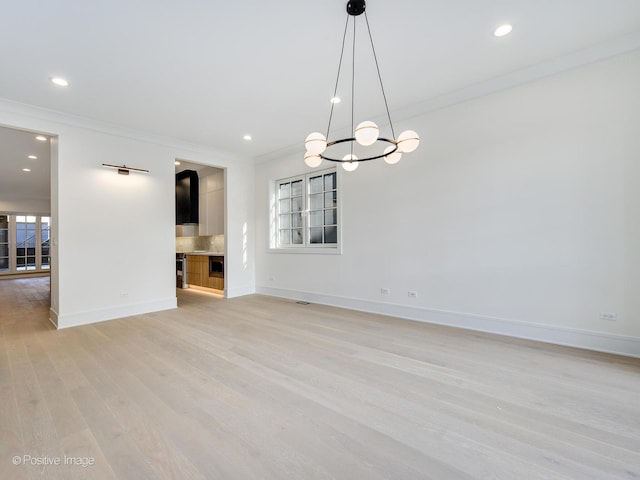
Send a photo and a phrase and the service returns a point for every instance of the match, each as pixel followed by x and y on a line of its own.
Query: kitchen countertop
pixel 207 254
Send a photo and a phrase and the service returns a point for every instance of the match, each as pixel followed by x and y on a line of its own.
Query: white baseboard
pixel 53 317
pixel 239 292
pixel 601 342
pixel 93 316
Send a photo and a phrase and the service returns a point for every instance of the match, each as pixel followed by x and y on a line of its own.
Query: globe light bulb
pixel 312 160
pixel 349 163
pixel 408 141
pixel 315 143
pixel 392 158
pixel 367 133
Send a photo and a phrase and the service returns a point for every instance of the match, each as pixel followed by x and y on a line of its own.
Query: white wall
pixel 36 206
pixel 114 234
pixel 519 214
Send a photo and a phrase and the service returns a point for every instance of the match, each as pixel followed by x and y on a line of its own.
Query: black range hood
pixel 187 198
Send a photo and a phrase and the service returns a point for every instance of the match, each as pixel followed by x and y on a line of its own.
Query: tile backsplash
pixel 210 243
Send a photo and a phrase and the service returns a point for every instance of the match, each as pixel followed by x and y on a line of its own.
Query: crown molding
pixel 47 115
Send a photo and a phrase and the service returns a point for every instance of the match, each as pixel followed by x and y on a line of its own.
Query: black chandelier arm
pixel 366 159
pixel 335 90
pixel 353 78
pixel 375 57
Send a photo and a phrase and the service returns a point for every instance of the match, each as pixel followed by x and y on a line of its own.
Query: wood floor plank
pixel 263 388
pixel 11 443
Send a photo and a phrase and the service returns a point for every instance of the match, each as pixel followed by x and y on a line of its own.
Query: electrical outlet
pixel 413 294
pixel 385 291
pixel 124 294
pixel 609 316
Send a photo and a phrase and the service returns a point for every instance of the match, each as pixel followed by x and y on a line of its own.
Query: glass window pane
pixel 330 234
pixel 4 235
pixel 285 190
pixel 285 221
pixel 316 235
pixel 296 188
pixel 307 211
pixel 330 199
pixel 31 219
pixel 285 237
pixel 20 218
pixel 315 184
pixel 285 206
pixel 296 204
pixel 330 181
pixel 315 218
pixel 316 201
pixel 330 217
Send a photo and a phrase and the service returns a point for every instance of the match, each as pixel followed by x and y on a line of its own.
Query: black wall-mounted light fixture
pixel 124 170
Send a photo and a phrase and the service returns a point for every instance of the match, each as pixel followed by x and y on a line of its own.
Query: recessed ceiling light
pixel 247 137
pixel 177 162
pixel 335 100
pixel 61 82
pixel 32 157
pixel 26 169
pixel 503 30
pixel 40 138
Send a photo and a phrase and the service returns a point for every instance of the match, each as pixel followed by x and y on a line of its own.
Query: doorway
pixel 25 209
pixel 200 227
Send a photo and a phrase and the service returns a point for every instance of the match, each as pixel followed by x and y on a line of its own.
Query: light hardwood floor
pixel 264 388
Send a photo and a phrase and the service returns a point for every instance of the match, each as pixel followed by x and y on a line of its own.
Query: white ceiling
pixel 208 71
pixel 15 148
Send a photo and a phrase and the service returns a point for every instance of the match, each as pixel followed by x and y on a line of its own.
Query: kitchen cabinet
pixel 212 204
pixel 216 282
pixel 198 273
pixel 198 270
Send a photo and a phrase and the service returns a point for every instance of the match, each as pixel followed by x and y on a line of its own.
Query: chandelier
pixel 366 133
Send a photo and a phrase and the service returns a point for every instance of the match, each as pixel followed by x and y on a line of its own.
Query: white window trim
pixel 305 247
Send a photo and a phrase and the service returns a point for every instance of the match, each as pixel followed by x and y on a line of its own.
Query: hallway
pixel 24 303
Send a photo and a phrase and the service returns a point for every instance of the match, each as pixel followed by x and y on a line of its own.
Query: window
pixel 24 243
pixel 45 236
pixel 4 243
pixel 307 211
